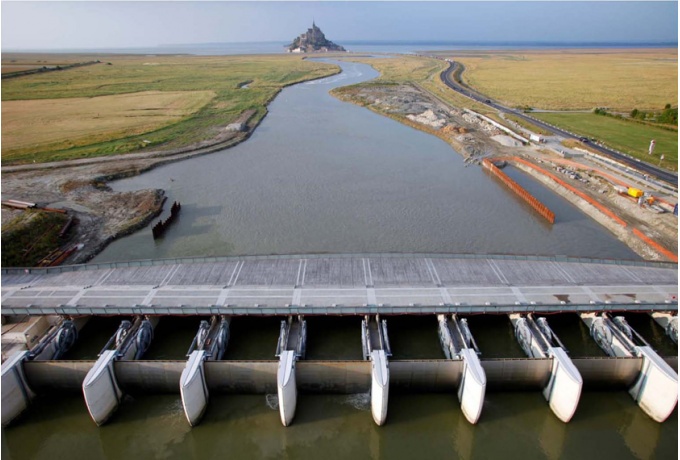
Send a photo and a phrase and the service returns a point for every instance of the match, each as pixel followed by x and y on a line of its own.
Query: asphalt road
pixel 449 80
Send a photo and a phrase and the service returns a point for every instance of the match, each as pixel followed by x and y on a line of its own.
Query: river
pixel 320 175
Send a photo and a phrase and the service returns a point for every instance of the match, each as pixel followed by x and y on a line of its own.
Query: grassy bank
pixel 29 237
pixel 620 79
pixel 628 137
pixel 203 119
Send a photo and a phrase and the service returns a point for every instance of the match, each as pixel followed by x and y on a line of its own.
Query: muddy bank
pixel 79 187
pixel 476 139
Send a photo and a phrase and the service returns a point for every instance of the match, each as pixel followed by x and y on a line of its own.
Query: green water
pixel 513 424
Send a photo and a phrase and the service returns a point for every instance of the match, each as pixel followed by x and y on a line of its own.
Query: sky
pixel 95 24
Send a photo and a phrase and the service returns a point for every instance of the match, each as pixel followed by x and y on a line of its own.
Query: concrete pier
pixel 209 344
pixel 376 346
pixel 656 387
pixel 563 390
pixel 100 387
pixel 291 347
pixel 458 344
pixel 16 394
pixel 101 390
pixel 286 386
pixel 193 389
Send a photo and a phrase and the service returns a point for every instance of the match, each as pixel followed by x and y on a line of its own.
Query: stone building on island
pixel 313 41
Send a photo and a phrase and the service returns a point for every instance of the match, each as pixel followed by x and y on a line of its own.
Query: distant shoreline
pixel 352 45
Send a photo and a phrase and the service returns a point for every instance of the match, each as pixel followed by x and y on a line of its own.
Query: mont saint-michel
pixel 313 41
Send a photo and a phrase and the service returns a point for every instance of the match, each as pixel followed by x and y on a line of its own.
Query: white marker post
pixel 651 147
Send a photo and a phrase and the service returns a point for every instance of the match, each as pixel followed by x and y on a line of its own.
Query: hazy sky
pixel 89 24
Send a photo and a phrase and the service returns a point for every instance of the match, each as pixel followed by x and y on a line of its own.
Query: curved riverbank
pixel 79 186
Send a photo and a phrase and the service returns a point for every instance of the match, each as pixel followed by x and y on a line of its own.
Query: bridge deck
pixel 342 284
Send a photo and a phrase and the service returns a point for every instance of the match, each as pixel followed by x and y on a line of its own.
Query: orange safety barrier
pixel 655 245
pixel 542 209
pixel 599 206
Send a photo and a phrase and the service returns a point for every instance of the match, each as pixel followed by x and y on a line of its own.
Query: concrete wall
pixel 57 375
pixel 515 374
pixel 333 376
pixel 608 373
pixel 347 377
pixel 436 375
pixel 149 376
pixel 241 376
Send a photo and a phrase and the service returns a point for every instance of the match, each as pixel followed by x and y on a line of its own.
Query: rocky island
pixel 313 41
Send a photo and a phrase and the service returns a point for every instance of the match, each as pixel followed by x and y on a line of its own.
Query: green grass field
pixel 136 74
pixel 628 137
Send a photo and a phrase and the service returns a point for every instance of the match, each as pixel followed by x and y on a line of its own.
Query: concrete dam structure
pixel 374 288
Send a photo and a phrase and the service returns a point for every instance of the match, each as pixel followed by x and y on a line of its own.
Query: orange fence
pixel 599 206
pixel 649 241
pixel 655 245
pixel 515 187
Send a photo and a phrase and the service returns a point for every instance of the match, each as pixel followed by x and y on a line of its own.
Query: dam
pixel 446 288
pixel 239 408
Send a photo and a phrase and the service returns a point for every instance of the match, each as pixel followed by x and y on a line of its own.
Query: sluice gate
pixel 376 348
pixel 458 344
pixel 656 387
pixel 119 370
pixel 52 337
pixel 291 347
pixel 100 387
pixel 209 344
pixel 538 340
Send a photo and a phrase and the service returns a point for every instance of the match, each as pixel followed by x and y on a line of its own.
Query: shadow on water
pixel 574 334
pixel 172 337
pixel 653 334
pixel 334 338
pixel 414 337
pixel 93 336
pixel 495 336
pixel 253 338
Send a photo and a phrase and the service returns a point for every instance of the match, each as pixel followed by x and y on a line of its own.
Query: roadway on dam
pixel 342 284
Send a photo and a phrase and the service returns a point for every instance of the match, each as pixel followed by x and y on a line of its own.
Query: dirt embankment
pixel 79 186
pixel 411 105
pixel 652 236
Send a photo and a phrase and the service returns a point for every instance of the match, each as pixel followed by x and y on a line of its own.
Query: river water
pixel 320 175
pixel 323 176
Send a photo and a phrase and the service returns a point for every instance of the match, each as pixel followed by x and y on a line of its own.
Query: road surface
pixel 450 79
